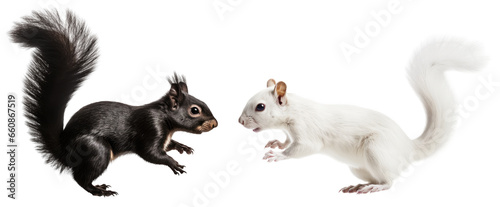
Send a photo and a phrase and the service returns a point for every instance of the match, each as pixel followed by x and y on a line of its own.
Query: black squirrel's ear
pixel 280 93
pixel 178 87
pixel 271 82
pixel 175 97
pixel 183 87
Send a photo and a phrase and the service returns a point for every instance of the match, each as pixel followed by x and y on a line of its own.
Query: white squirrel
pixel 374 147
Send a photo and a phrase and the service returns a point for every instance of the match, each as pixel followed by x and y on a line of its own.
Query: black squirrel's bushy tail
pixel 65 53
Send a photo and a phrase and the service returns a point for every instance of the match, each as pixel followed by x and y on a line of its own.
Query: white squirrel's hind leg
pixel 372 188
pixel 365 188
pixel 362 174
pixel 380 168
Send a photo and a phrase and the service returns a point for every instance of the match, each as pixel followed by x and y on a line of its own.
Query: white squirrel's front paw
pixel 272 156
pixel 275 143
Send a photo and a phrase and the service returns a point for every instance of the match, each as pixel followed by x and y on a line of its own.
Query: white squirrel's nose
pixel 242 122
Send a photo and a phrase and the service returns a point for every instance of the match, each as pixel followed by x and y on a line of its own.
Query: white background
pixel 227 57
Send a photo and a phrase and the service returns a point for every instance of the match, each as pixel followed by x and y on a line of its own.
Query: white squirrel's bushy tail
pixel 426 75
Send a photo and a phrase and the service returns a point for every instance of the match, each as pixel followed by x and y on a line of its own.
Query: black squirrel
pixel 65 54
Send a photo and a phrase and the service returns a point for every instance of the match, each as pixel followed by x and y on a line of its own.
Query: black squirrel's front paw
pixel 183 148
pixel 177 168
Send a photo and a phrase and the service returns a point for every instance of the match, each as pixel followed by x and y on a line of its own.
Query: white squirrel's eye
pixel 260 107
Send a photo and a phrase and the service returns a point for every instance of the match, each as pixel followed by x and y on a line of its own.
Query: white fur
pixel 374 147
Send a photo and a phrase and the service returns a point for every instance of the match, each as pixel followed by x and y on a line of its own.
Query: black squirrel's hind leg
pixel 94 159
pixel 104 192
pixel 84 174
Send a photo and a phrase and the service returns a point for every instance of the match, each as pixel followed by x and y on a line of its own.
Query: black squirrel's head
pixel 188 113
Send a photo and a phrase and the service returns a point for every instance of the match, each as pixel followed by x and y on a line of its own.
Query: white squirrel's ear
pixel 280 93
pixel 271 82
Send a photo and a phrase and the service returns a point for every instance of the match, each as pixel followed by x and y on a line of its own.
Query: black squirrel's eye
pixel 195 110
pixel 260 107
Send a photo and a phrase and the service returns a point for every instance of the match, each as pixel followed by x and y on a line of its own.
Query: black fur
pixel 65 54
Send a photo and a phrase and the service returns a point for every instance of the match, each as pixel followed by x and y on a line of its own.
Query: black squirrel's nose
pixel 214 123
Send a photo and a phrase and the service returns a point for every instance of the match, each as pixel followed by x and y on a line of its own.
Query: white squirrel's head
pixel 265 110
